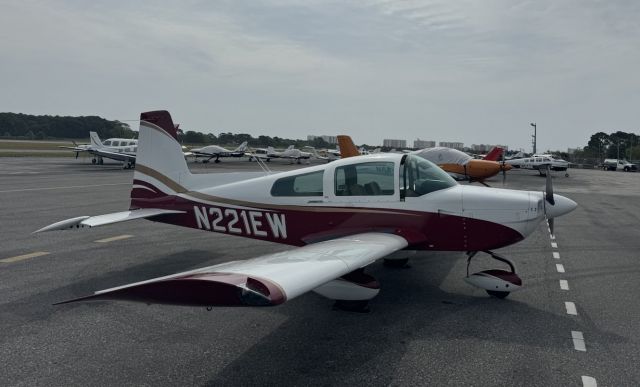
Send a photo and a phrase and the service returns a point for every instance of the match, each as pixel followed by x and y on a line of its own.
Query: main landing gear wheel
pixel 94 161
pixel 497 283
pixel 566 175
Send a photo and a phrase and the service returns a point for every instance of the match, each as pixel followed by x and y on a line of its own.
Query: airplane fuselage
pixel 456 217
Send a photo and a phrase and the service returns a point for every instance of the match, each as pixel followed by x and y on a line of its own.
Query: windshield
pixel 419 177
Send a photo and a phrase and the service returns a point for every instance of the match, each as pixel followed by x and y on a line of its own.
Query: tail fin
pixel 290 147
pixel 494 154
pixel 347 147
pixel 242 147
pixel 95 140
pixel 161 169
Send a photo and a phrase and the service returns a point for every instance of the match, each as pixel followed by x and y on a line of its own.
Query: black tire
pixel 94 161
pixel 498 294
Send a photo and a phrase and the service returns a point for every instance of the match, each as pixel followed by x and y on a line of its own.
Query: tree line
pixel 26 126
pixel 601 145
pixel 30 127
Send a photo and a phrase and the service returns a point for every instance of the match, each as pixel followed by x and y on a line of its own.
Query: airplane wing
pixel 264 281
pixel 101 220
pixel 113 155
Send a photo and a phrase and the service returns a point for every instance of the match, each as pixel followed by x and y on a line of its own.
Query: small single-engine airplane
pixel 215 152
pixel 327 155
pixel 540 163
pixel 458 164
pixel 120 149
pixel 291 153
pixel 461 166
pixel 342 216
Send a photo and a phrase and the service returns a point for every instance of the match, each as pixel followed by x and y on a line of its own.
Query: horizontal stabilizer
pixel 264 281
pixel 101 220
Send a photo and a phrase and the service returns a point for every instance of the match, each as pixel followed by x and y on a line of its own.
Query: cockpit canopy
pixel 370 177
pixel 441 155
pixel 419 177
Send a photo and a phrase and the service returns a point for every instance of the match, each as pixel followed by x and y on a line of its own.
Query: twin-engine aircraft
pixel 342 216
pixel 540 163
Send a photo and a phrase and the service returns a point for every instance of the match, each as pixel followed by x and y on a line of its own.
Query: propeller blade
pixel 77 153
pixel 549 191
pixel 551 226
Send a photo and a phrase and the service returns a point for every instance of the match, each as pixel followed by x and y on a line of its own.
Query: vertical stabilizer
pixel 161 169
pixel 347 147
pixel 95 140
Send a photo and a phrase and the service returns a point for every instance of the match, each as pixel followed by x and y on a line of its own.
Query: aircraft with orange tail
pixel 458 164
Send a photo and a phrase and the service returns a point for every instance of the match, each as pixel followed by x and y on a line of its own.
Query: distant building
pixel 453 145
pixel 327 139
pixel 389 143
pixel 421 144
pixel 485 148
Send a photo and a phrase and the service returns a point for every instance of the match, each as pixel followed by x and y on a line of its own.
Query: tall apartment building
pixel 389 143
pixel 453 145
pixel 421 144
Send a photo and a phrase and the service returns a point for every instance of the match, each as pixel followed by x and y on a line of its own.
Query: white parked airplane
pixel 120 149
pixel 540 163
pixel 269 153
pixel 342 216
pixel 215 151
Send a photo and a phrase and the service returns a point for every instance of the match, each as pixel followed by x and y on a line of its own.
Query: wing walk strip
pixel 113 239
pixel 24 257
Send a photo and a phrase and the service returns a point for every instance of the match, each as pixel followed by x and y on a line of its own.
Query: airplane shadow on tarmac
pixel 316 346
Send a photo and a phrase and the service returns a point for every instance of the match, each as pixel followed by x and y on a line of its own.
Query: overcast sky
pixel 468 71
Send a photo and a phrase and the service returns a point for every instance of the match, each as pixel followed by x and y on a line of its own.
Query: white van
pixel 614 164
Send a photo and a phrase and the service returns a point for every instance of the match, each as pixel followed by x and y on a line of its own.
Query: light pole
pixel 534 136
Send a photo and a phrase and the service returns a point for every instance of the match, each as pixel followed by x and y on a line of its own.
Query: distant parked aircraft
pixel 215 151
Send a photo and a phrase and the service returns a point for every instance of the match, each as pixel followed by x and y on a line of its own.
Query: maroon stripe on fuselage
pixel 297 226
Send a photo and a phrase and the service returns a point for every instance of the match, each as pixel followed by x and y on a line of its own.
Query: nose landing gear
pixel 498 283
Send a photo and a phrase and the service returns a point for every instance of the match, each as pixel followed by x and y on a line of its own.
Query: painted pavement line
pixel 578 341
pixel 113 239
pixel 25 256
pixel 560 268
pixel 556 255
pixel 571 308
pixel 588 381
pixel 554 245
pixel 564 285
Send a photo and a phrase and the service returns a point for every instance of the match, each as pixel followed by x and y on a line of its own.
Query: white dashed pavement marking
pixel 578 341
pixel 115 238
pixel 571 308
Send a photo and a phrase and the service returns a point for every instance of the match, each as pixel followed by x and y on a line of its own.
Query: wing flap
pixel 101 220
pixel 267 280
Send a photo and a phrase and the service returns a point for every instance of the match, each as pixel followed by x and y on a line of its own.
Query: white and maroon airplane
pixel 343 216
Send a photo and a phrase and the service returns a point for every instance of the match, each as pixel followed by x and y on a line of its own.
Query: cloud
pixel 466 70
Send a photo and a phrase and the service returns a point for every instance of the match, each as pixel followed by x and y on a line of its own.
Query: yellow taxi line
pixel 23 257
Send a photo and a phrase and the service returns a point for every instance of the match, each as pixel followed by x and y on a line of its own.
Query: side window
pixel 309 184
pixel 365 179
pixel 107 143
pixel 115 143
